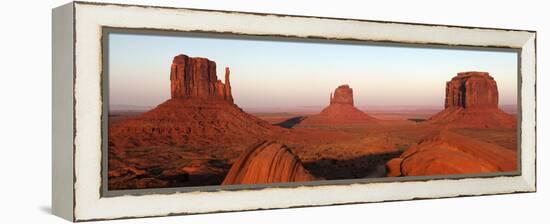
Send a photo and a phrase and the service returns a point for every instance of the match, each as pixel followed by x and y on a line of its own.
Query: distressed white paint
pixel 90 19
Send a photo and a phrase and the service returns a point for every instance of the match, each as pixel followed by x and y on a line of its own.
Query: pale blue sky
pixel 282 74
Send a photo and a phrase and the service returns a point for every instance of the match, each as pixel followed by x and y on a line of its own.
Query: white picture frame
pixel 77 110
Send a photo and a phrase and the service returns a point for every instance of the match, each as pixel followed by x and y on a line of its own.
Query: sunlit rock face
pixel 342 95
pixel 449 153
pixel 265 163
pixel 195 78
pixel 471 100
pixel 471 90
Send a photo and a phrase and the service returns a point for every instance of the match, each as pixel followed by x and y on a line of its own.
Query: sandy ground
pixel 327 151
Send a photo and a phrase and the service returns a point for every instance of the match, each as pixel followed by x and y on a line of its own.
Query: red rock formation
pixel 227 87
pixel 449 153
pixel 471 90
pixel 265 163
pixel 341 110
pixel 471 100
pixel 189 122
pixel 201 114
pixel 342 95
pixel 201 111
pixel 195 78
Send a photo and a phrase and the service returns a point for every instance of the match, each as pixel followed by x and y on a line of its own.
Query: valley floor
pixel 329 152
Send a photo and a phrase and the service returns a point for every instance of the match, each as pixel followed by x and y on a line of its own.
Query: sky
pixel 288 74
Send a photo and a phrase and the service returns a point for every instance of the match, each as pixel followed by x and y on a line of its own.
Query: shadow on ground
pixel 291 122
pixel 45 209
pixel 417 120
pixel 360 167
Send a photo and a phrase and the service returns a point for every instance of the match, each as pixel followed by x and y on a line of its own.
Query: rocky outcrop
pixel 201 111
pixel 471 90
pixel 341 110
pixel 471 100
pixel 450 153
pixel 342 95
pixel 200 115
pixel 265 163
pixel 195 78
pixel 189 122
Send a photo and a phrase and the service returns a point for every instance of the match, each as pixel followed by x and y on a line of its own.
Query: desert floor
pixel 328 152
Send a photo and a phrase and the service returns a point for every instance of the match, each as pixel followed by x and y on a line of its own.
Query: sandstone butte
pixel 200 113
pixel 449 153
pixel 471 100
pixel 265 163
pixel 341 110
pixel 195 78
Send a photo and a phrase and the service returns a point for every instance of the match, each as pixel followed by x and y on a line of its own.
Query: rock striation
pixel 341 110
pixel 449 153
pixel 189 122
pixel 265 163
pixel 195 78
pixel 471 90
pixel 471 100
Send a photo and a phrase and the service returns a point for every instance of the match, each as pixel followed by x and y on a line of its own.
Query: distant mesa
pixel 342 95
pixel 265 163
pixel 449 153
pixel 471 100
pixel 341 110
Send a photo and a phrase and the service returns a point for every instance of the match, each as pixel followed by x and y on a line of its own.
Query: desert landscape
pixel 200 137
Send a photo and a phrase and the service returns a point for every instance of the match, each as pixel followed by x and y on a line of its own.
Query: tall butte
pixel 341 110
pixel 201 111
pixel 471 100
pixel 195 78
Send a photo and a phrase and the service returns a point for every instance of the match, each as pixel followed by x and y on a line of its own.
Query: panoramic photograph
pixel 212 110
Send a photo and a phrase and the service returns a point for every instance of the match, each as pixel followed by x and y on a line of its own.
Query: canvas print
pixel 212 110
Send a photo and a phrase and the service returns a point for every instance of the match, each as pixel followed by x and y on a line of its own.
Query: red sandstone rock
pixel 449 153
pixel 474 118
pixel 201 112
pixel 227 87
pixel 471 90
pixel 471 100
pixel 394 167
pixel 195 78
pixel 342 95
pixel 340 110
pixel 190 122
pixel 267 162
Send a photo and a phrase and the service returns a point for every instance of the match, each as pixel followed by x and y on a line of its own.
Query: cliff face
pixel 341 110
pixel 342 95
pixel 195 78
pixel 471 100
pixel 265 163
pixel 471 90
